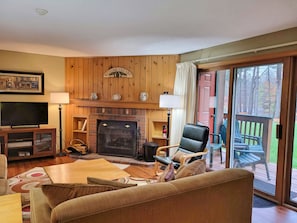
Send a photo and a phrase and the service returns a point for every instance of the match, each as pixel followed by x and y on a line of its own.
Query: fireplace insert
pixel 117 138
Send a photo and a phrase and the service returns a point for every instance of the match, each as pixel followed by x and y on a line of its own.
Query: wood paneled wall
pixel 153 74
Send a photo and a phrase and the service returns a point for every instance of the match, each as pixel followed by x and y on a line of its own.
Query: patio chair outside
pixel 246 154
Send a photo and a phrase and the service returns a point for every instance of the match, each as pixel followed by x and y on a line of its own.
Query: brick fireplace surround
pixel 117 114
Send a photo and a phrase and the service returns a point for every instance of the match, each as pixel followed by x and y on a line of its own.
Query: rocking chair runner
pixel 192 146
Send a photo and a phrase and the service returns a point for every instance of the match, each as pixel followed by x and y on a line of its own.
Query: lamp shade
pixel 170 101
pixel 59 97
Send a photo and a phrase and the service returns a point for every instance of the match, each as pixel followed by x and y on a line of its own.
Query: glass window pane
pixel 293 186
pixel 256 113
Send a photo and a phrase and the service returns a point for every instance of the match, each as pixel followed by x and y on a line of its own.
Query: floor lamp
pixel 169 101
pixel 60 98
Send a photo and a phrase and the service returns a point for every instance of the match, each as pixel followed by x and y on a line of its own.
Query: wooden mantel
pixel 114 104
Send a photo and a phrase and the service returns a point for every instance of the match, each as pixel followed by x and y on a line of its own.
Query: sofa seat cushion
pixel 58 193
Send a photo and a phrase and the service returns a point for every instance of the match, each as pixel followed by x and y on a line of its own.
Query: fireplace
pixel 134 117
pixel 117 138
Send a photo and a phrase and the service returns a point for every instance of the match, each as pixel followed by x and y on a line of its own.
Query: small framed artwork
pixel 15 82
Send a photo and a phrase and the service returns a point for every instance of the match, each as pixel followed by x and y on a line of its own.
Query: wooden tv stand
pixel 27 143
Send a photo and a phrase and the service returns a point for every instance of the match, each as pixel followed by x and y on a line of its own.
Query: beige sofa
pixel 3 175
pixel 223 196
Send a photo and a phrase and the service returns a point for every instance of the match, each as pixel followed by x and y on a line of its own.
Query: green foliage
pixel 274 146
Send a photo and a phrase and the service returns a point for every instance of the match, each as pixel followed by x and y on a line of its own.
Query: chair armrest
pixel 216 138
pixel 249 151
pixel 256 139
pixel 184 158
pixel 165 148
pixel 240 146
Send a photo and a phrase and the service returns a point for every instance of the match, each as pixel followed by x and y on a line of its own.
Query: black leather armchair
pixel 192 146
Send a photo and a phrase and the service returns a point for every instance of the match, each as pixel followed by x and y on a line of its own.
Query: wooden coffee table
pixel 77 172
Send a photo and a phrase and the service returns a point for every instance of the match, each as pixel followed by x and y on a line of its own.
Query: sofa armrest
pixel 3 186
pixel 3 167
pixel 39 208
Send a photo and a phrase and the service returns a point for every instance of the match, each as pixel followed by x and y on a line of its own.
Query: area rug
pixel 35 177
pixel 113 159
pixel 23 183
pixel 259 202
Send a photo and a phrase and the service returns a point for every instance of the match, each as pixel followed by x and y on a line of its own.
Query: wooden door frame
pixel 212 92
pixel 290 123
pixel 287 115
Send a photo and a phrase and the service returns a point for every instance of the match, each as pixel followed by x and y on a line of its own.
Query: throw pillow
pixel 194 168
pixel 168 174
pixel 117 184
pixel 58 193
pixel 177 156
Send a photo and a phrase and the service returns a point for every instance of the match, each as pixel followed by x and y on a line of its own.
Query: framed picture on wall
pixel 16 82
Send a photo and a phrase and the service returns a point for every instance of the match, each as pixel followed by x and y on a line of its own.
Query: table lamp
pixel 169 101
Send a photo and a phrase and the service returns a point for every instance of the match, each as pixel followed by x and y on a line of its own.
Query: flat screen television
pixel 31 114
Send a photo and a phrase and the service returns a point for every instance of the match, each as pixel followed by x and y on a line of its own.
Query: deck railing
pixel 257 126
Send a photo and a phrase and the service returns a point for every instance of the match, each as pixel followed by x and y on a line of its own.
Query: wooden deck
pixel 261 181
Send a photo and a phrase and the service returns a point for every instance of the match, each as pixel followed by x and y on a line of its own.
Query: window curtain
pixel 185 86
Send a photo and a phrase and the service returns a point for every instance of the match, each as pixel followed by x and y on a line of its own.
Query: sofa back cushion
pixel 116 184
pixel 58 193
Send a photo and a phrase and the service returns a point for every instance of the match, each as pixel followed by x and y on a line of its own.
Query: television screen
pixel 24 113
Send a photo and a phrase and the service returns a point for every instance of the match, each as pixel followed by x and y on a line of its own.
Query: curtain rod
pixel 255 50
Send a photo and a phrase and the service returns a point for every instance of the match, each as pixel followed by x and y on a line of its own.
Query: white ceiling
pixel 136 27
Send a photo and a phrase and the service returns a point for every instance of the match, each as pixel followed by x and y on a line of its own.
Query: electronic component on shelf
pixel 19 144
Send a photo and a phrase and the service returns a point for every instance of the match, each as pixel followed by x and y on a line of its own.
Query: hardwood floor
pixel 275 214
pixel 17 167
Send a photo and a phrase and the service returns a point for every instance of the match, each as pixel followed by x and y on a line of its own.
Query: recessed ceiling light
pixel 40 11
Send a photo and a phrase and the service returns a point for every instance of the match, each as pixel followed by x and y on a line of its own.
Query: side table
pixel 11 208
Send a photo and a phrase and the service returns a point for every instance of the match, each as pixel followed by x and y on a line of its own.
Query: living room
pixel 153 74
pixel 12 58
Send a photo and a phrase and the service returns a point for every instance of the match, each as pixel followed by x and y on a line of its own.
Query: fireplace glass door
pixel 117 138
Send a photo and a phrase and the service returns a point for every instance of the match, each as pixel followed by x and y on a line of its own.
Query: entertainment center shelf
pixel 27 143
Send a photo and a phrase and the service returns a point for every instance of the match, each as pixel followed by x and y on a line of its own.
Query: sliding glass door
pixel 254 110
pixel 255 115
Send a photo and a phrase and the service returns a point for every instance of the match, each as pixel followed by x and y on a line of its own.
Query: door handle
pixel 279 131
